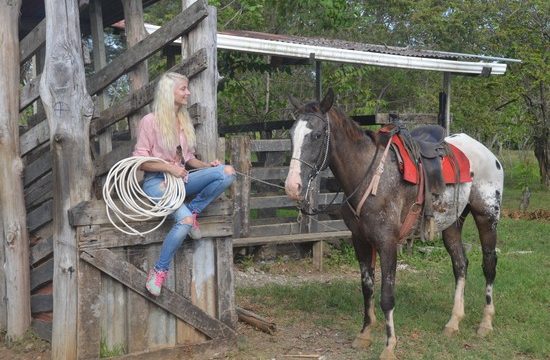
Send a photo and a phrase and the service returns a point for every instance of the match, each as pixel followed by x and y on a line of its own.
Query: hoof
pixel 387 355
pixel 450 331
pixel 483 331
pixel 361 342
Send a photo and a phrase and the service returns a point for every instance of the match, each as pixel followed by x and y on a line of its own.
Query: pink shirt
pixel 149 143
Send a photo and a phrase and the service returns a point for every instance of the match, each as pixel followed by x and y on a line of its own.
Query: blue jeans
pixel 206 184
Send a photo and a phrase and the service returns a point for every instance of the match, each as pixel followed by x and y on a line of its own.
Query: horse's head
pixel 310 137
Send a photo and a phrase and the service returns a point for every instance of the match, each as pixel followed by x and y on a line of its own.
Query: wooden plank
pixel 43 329
pixel 89 309
pixel 110 237
pixel 32 42
pixel 41 250
pixel 212 349
pixel 289 228
pixel 225 282
pixel 93 212
pixel 270 145
pixel 138 306
pixel 37 168
pixel 39 192
pixel 132 277
pixel 41 303
pixel 3 294
pixel 240 190
pixel 143 96
pixel 181 24
pixel 41 274
pixel 40 216
pixel 103 164
pixel 34 137
pixel 185 333
pixel 278 201
pixel 296 238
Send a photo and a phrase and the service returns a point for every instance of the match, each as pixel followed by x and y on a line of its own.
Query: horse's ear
pixel 327 101
pixel 295 102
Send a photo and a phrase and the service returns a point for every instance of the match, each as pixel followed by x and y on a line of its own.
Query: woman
pixel 168 133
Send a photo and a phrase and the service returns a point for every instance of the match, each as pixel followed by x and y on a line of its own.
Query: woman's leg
pixel 208 184
pixel 154 186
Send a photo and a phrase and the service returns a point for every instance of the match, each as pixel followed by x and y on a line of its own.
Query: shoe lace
pixel 160 276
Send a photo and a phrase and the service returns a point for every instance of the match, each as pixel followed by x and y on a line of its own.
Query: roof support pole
pixel 447 91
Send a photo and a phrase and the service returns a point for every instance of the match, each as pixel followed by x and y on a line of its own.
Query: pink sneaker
pixel 154 282
pixel 195 232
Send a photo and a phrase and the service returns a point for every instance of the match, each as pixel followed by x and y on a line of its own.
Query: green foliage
pixel 105 351
pixel 342 256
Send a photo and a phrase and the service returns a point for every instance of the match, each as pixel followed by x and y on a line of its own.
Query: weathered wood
pixel 185 333
pixel 138 307
pixel 40 216
pixel 295 238
pixel 43 329
pixel 181 24
pixel 93 212
pixel 240 190
pixel 211 349
pixel 42 274
pixel 129 275
pixel 69 113
pixel 14 237
pixel 289 228
pixel 225 282
pixel 39 192
pixel 32 42
pixel 103 164
pixel 257 321
pixel 137 99
pixel 37 168
pixel 109 237
pixel 89 309
pixel 41 303
pixel 3 304
pixel 270 145
pixel 34 137
pixel 266 202
pixel 41 250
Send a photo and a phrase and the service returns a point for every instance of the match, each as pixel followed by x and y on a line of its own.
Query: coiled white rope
pixel 138 206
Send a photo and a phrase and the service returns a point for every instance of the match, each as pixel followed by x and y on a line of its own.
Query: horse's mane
pixel 352 129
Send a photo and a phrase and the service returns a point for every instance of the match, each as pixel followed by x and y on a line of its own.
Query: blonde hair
pixel 163 108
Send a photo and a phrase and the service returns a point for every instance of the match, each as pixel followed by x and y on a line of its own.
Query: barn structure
pixel 68 272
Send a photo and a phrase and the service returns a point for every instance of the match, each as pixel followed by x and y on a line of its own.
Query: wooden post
pixel 447 90
pixel 240 191
pixel 135 32
pixel 69 109
pixel 14 237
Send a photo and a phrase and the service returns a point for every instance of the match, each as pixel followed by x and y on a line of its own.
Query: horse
pixel 323 136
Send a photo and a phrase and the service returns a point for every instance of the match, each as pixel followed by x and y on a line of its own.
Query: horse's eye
pixel 317 135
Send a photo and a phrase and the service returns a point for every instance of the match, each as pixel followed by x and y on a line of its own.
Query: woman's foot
pixel 155 279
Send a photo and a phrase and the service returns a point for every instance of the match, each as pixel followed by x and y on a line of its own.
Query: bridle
pixel 321 163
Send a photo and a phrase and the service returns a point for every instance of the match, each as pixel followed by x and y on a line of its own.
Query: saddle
pixel 422 154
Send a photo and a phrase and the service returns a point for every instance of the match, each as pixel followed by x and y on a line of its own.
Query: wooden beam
pixel 135 279
pixel 290 239
pixel 32 42
pixel 143 96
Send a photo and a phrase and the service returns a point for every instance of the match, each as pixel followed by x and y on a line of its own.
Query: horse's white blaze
pixel 293 180
pixel 487 170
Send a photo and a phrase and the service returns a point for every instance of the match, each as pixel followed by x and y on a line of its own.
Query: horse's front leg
pixel 367 258
pixel 388 264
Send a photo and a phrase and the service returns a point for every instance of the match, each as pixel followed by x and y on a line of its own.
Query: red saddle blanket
pixel 410 172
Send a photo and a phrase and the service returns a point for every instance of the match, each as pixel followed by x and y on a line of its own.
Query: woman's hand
pixel 215 163
pixel 177 171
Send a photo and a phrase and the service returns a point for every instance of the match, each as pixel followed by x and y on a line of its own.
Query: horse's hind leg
pixel 486 225
pixel 366 257
pixel 453 244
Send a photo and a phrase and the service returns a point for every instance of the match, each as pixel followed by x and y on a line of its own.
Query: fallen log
pixel 257 321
